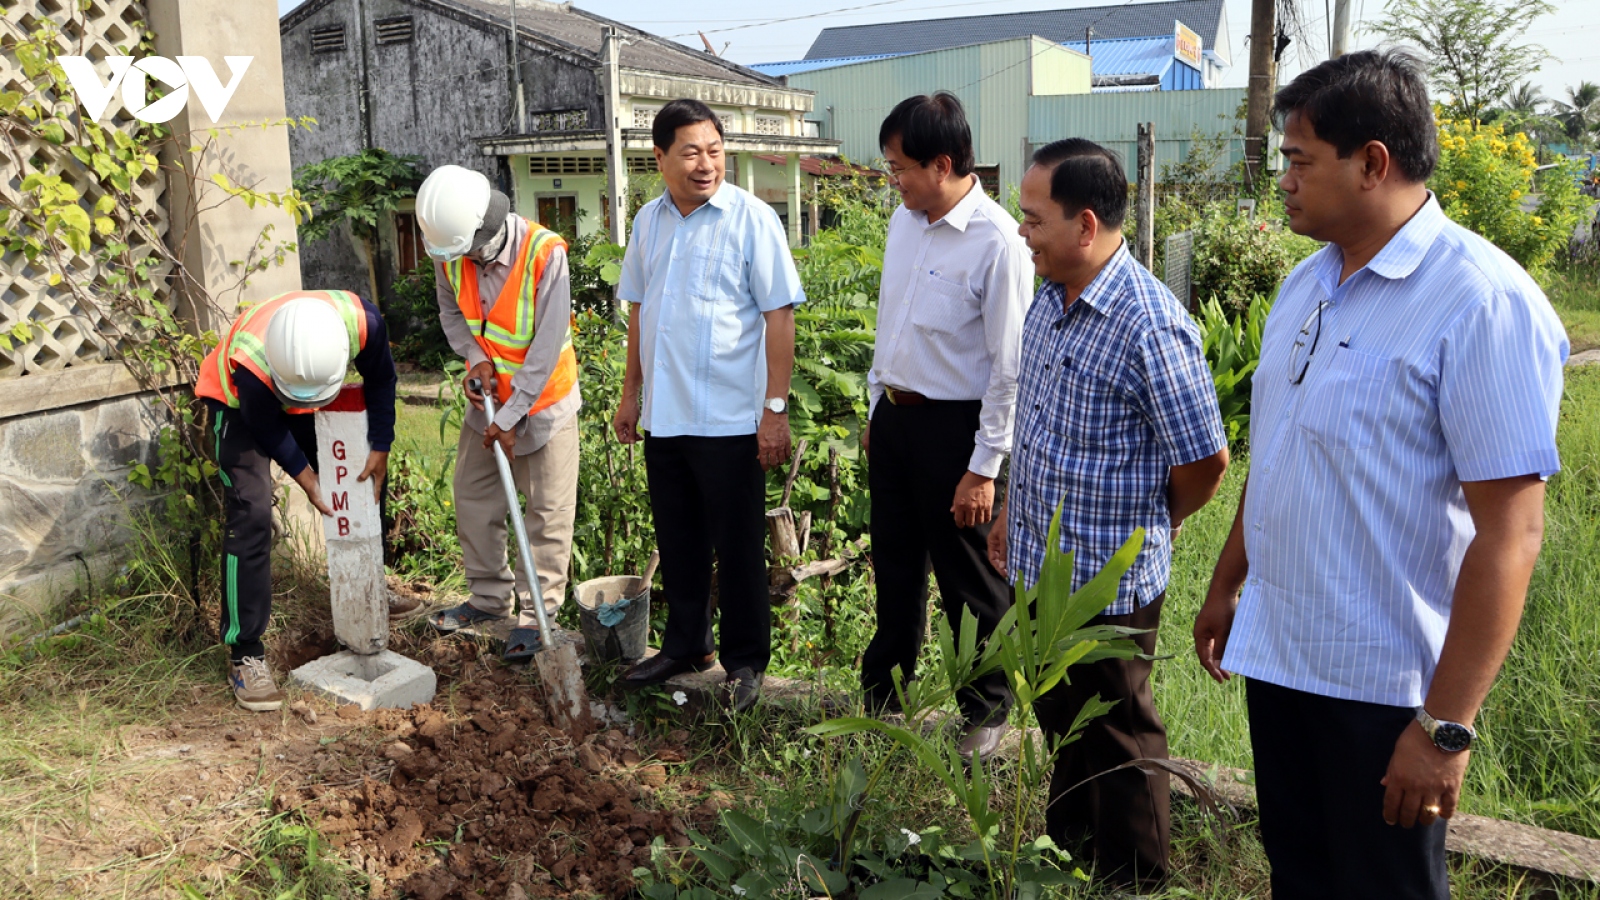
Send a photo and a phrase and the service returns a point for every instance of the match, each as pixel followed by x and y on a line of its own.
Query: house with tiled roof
pixel 438 79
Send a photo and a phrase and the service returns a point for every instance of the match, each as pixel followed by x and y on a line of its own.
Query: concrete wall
pixel 65 501
pixel 69 434
pixel 428 97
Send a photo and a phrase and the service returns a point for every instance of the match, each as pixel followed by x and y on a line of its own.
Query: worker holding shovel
pixel 283 358
pixel 506 307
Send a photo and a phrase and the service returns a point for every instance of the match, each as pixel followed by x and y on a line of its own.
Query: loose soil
pixel 472 801
pixel 473 796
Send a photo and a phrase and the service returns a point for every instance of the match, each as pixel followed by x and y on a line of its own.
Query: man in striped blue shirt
pixel 1117 422
pixel 1403 422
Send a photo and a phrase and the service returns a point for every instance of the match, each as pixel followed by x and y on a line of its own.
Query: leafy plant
pixel 1238 257
pixel 1483 181
pixel 413 318
pixel 1232 346
pixel 360 188
pixel 1045 632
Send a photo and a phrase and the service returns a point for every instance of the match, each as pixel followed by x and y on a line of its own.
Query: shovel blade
pixel 563 686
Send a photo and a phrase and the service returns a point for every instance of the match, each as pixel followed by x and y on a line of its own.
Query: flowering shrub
pixel 1238 258
pixel 1487 181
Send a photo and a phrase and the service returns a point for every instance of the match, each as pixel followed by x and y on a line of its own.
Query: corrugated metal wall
pixel 1113 121
pixel 992 81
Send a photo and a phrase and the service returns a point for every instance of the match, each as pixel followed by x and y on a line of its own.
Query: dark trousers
pixel 247 534
pixel 1123 819
pixel 919 455
pixel 1319 762
pixel 709 494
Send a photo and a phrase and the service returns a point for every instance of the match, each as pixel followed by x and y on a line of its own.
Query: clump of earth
pixel 485 798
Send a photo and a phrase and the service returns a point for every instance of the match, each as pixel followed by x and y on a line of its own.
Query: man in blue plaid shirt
pixel 1117 419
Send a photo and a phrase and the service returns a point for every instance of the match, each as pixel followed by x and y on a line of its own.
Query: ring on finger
pixel 1432 810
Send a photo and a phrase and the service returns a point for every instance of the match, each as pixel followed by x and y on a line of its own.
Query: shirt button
pixel 1058 325
pixel 1036 406
pixel 1257 526
pixel 1255 579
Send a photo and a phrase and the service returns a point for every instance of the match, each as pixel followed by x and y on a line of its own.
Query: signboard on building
pixel 1188 46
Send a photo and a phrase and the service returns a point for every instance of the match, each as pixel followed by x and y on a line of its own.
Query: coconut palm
pixel 1580 115
pixel 1526 109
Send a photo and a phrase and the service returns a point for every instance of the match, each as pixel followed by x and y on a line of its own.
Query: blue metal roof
pixel 795 67
pixel 1132 56
pixel 1119 20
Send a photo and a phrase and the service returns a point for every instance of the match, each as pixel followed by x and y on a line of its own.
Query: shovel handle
pixel 517 525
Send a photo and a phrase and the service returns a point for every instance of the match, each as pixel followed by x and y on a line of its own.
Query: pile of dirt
pixel 487 799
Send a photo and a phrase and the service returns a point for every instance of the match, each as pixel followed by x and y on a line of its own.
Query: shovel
pixel 556 658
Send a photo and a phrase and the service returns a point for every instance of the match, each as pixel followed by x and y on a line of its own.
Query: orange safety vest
pixel 246 344
pixel 507 333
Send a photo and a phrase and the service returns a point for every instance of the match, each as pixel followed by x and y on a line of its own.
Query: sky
pixel 1571 33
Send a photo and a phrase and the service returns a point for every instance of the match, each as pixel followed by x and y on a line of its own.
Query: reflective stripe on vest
pixel 246 344
pixel 508 331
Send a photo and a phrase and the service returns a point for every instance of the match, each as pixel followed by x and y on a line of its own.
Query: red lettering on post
pixel 338 449
pixel 344 527
pixel 339 473
pixel 341 500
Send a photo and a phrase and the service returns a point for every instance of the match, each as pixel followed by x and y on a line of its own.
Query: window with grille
pixel 769 125
pixel 559 120
pixel 727 122
pixel 644 116
pixel 566 165
pixel 393 30
pixel 327 39
pixel 642 165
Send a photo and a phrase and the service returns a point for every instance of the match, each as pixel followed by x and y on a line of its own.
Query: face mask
pixel 491 248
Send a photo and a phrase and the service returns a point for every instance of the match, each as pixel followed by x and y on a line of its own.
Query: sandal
pixel 522 643
pixel 458 617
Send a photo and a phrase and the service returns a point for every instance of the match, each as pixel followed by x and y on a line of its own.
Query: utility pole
pixel 616 164
pixel 1341 29
pixel 1145 212
pixel 516 66
pixel 1263 77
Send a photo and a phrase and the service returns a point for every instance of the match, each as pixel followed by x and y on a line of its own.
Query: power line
pixel 816 15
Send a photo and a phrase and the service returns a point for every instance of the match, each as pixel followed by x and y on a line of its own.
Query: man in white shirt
pixel 956 285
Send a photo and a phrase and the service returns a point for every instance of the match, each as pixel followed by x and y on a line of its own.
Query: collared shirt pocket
pixel 941 307
pixel 718 271
pixel 1346 404
pixel 1088 409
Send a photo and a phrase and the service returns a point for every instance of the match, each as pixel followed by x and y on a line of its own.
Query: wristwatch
pixel 1451 737
pixel 776 405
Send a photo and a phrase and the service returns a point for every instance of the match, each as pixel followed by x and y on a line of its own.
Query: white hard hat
pixel 308 349
pixel 458 211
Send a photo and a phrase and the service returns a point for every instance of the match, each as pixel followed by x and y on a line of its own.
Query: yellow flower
pixel 1461 185
pixel 1538 222
pixel 1516 195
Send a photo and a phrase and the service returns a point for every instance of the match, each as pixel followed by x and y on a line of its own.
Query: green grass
pixel 1540 758
pixel 1574 291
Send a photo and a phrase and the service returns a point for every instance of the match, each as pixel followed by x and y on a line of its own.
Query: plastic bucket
pixel 626 640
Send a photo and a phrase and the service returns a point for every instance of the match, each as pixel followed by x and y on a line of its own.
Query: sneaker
pixel 253 686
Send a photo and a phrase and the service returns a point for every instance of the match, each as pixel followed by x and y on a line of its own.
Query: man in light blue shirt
pixel 1403 421
pixel 712 288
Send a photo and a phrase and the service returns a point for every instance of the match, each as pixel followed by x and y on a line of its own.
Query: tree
pixel 359 189
pixel 1471 46
pixel 1580 115
pixel 1527 110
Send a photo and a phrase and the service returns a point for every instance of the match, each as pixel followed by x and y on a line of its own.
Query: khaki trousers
pixel 548 478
